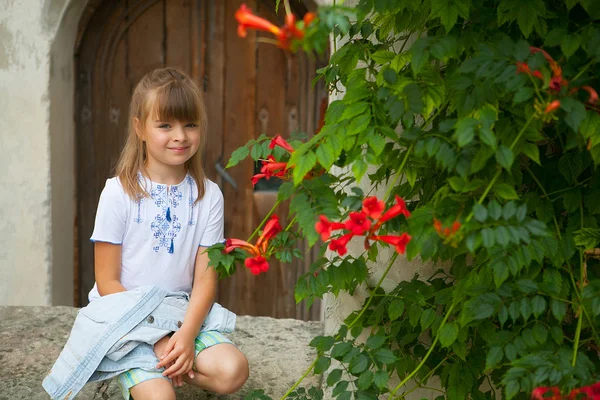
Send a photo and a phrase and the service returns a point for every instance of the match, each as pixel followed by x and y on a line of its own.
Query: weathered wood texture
pixel 250 89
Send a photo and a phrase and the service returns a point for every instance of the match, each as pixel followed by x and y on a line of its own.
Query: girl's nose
pixel 179 133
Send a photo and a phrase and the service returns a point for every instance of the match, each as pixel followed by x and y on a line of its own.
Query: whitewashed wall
pixel 36 144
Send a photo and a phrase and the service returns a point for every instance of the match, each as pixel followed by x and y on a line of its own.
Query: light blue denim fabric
pixel 117 332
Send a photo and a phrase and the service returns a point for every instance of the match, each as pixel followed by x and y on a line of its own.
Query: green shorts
pixel 129 379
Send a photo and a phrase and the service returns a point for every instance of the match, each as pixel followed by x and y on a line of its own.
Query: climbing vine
pixel 481 122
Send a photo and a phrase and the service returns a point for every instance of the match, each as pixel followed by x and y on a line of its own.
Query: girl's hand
pixel 178 356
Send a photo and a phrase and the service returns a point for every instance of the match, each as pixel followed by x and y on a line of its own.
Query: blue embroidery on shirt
pixel 139 202
pixel 191 182
pixel 166 225
pixel 164 231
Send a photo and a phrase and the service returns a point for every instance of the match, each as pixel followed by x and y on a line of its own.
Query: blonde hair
pixel 172 96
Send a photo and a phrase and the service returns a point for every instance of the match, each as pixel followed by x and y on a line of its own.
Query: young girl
pixel 154 221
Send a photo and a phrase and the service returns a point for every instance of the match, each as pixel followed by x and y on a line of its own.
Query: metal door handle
pixel 221 171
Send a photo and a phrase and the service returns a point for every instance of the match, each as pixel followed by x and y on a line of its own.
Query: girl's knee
pixel 233 373
pixel 154 389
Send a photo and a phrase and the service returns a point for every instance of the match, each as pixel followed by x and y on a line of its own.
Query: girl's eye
pixel 164 126
pixel 191 125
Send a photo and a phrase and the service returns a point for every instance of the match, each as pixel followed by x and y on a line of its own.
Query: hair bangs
pixel 177 101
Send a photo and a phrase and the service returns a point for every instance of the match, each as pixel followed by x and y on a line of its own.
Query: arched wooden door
pixel 250 88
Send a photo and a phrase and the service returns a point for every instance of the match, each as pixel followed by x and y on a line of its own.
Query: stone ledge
pixel 32 337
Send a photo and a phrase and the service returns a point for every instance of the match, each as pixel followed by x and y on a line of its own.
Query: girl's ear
pixel 137 126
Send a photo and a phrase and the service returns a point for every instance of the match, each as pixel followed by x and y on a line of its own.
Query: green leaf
pixel 322 364
pixel 588 238
pixel 480 212
pixel 540 333
pixel 512 389
pixel 414 314
pixel 341 349
pixel 525 308
pixel 359 363
pixel 532 151
pixel 427 318
pixel 381 379
pixel 385 356
pixel 590 127
pixel 557 334
pixel 446 11
pixel 481 158
pixel 538 305
pixel 465 131
pixel 359 167
pixel 334 377
pixel 304 165
pixel 505 157
pixel 326 154
pixel 500 273
pixel 575 112
pixel 559 309
pixel 524 93
pixel 396 309
pixel 238 155
pixel 365 380
pixel 375 341
pixel 570 44
pixel 506 191
pixel 322 343
pixel 383 56
pixel 489 239
pixel 448 334
pixel 494 357
pixel 420 54
pixel 526 285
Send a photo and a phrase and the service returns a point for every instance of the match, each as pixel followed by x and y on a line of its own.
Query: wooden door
pixel 250 88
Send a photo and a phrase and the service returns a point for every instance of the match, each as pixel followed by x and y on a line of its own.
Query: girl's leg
pixel 154 389
pixel 221 368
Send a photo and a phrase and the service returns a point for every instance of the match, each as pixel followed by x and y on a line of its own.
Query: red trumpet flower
pixel 271 167
pixel 358 223
pixel 246 19
pixel 591 392
pixel 324 227
pixel 284 35
pixel 555 104
pixel 339 244
pixel 281 142
pixel 373 207
pixel 593 99
pixel 258 262
pixel 399 242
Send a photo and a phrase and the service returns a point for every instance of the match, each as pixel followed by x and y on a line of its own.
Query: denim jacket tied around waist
pixel 117 332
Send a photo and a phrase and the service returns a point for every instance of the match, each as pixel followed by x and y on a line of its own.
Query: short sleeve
pixel 111 215
pixel 214 232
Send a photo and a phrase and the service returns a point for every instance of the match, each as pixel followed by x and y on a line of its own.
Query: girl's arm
pixel 203 294
pixel 180 348
pixel 107 268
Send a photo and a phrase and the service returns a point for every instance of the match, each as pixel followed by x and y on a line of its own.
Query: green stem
pixel 300 380
pixel 546 195
pixel 435 340
pixel 399 172
pixel 264 221
pixel 583 69
pixel 499 172
pixel 581 285
pixel 368 303
pixel 425 380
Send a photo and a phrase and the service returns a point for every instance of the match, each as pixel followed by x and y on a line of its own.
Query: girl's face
pixel 168 143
